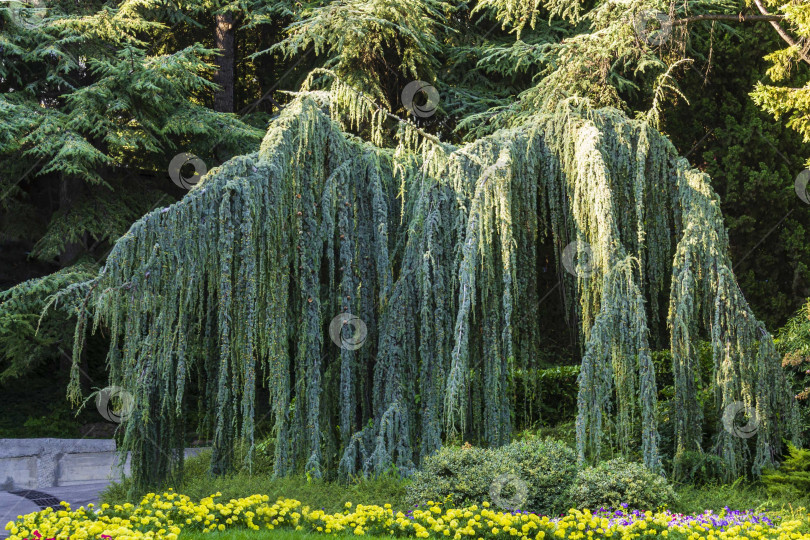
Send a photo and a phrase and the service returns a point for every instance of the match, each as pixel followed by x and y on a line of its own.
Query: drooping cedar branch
pixel 434 248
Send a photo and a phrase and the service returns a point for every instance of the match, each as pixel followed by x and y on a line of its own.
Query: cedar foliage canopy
pixel 434 248
pixel 89 101
pixel 27 337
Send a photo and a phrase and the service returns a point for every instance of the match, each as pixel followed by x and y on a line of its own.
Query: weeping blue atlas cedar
pixel 434 247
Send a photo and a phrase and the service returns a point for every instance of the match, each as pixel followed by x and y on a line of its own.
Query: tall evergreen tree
pixel 92 109
pixel 789 63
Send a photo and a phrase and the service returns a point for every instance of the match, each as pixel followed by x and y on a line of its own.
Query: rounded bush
pixel 619 482
pixel 526 475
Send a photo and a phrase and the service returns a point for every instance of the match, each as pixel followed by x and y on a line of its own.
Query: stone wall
pixel 42 463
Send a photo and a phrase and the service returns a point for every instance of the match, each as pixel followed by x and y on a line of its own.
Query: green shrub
pixel 564 432
pixel 530 475
pixel 463 473
pixel 792 478
pixel 618 481
pixel 737 495
pixel 698 468
pixel 59 423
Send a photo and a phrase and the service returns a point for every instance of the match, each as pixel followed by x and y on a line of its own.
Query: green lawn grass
pixel 329 496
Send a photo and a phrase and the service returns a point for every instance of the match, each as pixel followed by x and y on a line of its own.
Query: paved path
pixel 12 505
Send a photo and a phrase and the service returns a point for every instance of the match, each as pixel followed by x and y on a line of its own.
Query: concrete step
pixel 12 506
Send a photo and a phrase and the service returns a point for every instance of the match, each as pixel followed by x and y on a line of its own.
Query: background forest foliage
pixel 96 98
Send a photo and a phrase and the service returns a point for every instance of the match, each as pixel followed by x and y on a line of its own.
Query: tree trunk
pixel 225 41
pixel 267 66
pixel 71 189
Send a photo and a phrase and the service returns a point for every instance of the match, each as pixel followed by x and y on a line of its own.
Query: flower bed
pixel 726 518
pixel 167 515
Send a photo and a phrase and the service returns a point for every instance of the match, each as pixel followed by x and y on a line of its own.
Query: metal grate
pixel 43 500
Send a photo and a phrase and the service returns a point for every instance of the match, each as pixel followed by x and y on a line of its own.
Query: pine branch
pixel 782 33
